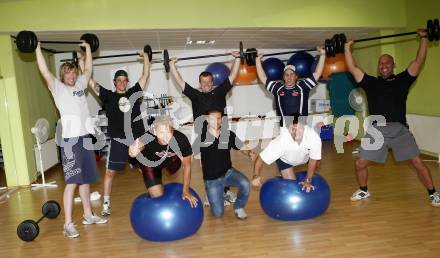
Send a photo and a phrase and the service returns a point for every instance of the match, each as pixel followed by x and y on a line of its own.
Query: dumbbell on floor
pixel 28 230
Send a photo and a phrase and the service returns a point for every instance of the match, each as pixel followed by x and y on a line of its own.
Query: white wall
pixel 242 100
pixel 426 131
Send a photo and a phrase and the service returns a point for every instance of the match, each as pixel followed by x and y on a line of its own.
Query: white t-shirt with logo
pixel 285 148
pixel 72 105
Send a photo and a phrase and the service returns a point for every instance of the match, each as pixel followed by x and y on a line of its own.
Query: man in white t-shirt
pixel 77 154
pixel 297 144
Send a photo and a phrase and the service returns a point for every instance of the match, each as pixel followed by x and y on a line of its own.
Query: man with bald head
pixel 386 95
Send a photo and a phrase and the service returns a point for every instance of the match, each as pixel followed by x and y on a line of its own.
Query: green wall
pixel 26 99
pixel 425 93
pixel 35 100
pixel 50 15
pixel 11 125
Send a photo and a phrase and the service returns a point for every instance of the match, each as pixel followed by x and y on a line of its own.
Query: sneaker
pixel 70 231
pixel 240 213
pixel 93 219
pixel 359 195
pixel 207 204
pixel 435 199
pixel 106 209
pixel 230 196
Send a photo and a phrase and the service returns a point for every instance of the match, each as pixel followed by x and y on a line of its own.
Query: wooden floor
pixel 397 221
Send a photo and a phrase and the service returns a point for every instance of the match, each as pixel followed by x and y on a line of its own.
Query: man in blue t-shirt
pixel 291 95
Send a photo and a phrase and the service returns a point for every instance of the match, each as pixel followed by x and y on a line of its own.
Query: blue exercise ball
pixel 166 218
pixel 219 71
pixel 303 62
pixel 283 199
pixel 274 69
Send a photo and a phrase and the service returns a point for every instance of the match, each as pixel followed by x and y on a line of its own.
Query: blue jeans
pixel 214 190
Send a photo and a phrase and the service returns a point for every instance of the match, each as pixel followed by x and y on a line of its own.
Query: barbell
pixel 28 230
pixel 147 50
pixel 332 47
pixel 336 43
pixel 166 57
pixel 27 41
pixel 249 55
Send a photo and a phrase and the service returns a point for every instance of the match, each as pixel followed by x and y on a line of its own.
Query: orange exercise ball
pixel 334 65
pixel 246 75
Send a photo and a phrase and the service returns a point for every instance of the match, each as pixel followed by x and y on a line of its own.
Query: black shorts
pixel 153 175
pixel 118 156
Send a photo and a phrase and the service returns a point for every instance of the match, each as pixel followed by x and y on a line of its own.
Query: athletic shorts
pixel 397 137
pixel 282 165
pixel 118 156
pixel 79 163
pixel 153 175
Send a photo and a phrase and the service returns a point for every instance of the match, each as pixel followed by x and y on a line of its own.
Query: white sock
pixel 106 198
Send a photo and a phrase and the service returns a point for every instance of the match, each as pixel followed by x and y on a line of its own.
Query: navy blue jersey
pixel 292 99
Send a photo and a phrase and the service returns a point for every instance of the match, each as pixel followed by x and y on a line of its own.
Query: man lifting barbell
pixel 118 104
pixel 386 95
pixel 208 97
pixel 79 164
pixel 291 96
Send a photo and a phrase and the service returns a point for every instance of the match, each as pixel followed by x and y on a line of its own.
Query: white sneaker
pixel 70 231
pixel 93 219
pixel 230 196
pixel 240 213
pixel 207 204
pixel 435 199
pixel 359 195
pixel 106 209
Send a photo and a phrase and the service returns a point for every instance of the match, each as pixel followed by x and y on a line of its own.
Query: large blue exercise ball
pixel 283 199
pixel 274 69
pixel 219 71
pixel 166 218
pixel 303 62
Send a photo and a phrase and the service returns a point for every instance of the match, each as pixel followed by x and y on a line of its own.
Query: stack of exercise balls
pixel 284 199
pixel 219 71
pixel 303 63
pixel 334 64
pixel 168 217
pixel 246 75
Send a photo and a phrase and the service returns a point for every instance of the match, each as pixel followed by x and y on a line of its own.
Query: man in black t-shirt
pixel 214 145
pixel 386 97
pixel 163 148
pixel 122 108
pixel 208 97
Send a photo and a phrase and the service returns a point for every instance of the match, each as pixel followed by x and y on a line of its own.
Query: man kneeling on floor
pixel 215 144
